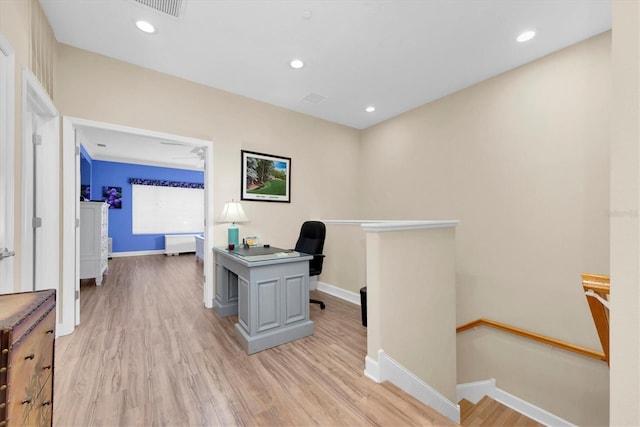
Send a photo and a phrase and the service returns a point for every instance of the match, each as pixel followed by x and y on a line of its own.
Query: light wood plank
pixel 149 353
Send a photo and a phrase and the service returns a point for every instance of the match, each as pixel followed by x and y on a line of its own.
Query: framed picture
pixel 265 177
pixel 85 192
pixel 113 196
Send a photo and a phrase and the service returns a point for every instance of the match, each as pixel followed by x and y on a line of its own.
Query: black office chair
pixel 311 241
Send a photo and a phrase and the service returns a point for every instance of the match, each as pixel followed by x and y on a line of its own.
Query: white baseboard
pixel 63 329
pixel 371 369
pixel 388 369
pixel 137 253
pixel 475 391
pixel 335 291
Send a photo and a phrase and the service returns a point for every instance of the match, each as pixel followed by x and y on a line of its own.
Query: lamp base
pixel 232 236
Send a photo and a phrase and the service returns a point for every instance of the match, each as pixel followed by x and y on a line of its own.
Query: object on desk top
pixel 251 241
pixel 260 250
pixel 284 254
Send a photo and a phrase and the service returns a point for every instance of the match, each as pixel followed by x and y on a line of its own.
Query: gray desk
pixel 268 291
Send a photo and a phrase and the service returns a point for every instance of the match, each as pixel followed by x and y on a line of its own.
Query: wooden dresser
pixel 27 334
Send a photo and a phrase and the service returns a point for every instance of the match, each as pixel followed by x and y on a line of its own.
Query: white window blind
pixel 167 210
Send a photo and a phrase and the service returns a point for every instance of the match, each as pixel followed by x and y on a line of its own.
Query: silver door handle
pixel 6 253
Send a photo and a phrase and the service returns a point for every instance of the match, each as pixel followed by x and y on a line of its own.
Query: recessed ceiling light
pixel 145 27
pixel 296 63
pixel 370 109
pixel 526 36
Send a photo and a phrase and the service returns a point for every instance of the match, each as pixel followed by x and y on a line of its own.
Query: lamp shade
pixel 233 212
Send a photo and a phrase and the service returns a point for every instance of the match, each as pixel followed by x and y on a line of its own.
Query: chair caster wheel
pixel 322 306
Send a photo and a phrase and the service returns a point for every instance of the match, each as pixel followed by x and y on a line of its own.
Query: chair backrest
pixel 311 241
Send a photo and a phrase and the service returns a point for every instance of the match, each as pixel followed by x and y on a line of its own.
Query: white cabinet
pixel 199 247
pixel 94 240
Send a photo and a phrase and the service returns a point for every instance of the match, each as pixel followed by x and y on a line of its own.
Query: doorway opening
pixel 72 196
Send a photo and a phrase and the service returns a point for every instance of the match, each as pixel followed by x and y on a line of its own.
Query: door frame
pixel 36 100
pixel 7 159
pixel 71 211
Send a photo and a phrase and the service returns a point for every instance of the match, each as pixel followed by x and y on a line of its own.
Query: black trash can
pixel 363 305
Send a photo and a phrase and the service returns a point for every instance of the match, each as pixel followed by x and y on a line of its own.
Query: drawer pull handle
pixel 27 400
pixel 31 356
pixel 48 402
pixel 46 367
pixel 49 331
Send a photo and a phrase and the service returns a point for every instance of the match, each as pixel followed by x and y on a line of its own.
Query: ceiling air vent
pixel 314 98
pixel 173 8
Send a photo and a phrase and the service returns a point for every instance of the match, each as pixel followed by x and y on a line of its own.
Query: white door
pixel 32 183
pixel 7 143
pixel 40 188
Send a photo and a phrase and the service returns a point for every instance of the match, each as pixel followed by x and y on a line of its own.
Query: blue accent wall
pixel 85 171
pixel 115 174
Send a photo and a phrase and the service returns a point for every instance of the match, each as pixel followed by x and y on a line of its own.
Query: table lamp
pixel 233 213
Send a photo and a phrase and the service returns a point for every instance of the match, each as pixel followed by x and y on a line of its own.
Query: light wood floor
pixel 147 352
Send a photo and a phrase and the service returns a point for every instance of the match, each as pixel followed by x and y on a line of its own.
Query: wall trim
pixel 390 370
pixel 372 369
pixel 335 291
pixel 370 225
pixel 137 253
pixel 407 225
pixel 474 391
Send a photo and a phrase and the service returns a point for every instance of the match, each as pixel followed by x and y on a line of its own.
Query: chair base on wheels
pixel 317 301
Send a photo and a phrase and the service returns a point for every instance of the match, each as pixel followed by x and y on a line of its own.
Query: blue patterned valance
pixel 165 183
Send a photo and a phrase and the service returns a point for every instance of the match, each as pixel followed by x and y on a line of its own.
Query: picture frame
pixel 265 177
pixel 85 192
pixel 113 196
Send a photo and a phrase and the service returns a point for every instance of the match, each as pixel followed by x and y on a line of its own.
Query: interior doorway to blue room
pixel 104 144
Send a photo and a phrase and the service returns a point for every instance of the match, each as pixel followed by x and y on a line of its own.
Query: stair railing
pixel 597 288
pixel 534 336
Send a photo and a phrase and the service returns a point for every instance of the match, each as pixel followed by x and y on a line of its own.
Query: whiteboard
pixel 166 210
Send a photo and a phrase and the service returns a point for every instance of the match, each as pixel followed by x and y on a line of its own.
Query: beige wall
pixel 345 263
pixel 522 160
pixel 625 206
pixel 324 156
pixel 411 287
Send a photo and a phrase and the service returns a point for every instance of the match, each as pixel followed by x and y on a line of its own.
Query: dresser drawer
pixel 30 366
pixel 40 409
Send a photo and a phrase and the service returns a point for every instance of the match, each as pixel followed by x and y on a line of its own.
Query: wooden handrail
pixel 596 282
pixel 601 286
pixel 534 336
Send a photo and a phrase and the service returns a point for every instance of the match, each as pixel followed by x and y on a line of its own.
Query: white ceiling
pixel 126 147
pixel 395 55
